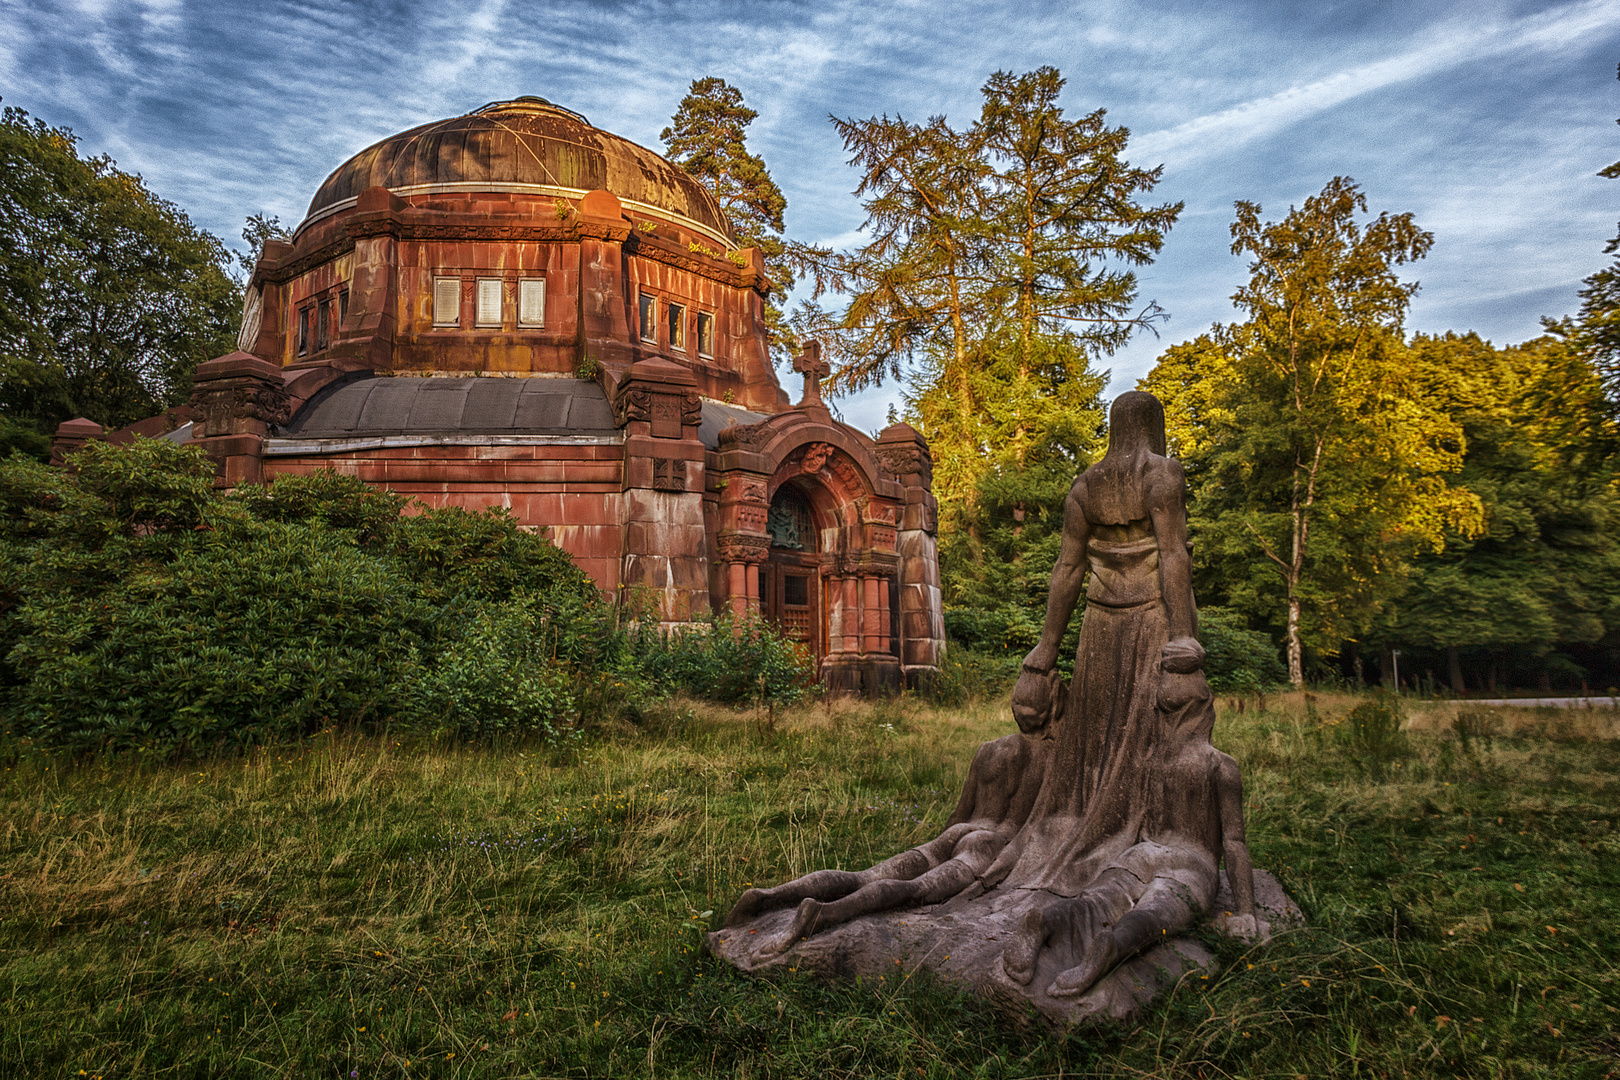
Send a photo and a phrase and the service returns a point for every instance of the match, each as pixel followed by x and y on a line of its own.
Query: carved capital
pixel 743 548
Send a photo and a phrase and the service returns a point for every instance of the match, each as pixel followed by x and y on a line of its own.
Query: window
pixel 489 302
pixel 303 331
pixel 677 326
pixel 532 302
pixel 446 301
pixel 649 319
pixel 323 324
pixel 705 334
pixel 343 307
pixel 796 590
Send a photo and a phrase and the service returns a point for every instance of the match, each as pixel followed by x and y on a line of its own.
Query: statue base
pixel 961 942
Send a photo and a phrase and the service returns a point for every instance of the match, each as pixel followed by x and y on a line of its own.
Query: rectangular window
pixel 489 302
pixel 446 301
pixel 343 308
pixel 303 331
pixel 323 324
pixel 677 326
pixel 649 319
pixel 532 302
pixel 705 334
pixel 796 590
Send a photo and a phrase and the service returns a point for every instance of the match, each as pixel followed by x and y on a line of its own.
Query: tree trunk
pixel 1296 652
pixel 1454 668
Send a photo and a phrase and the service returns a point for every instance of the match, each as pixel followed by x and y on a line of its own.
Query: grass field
pixel 361 908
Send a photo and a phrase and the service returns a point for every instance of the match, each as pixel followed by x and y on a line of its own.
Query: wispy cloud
pixel 1456 44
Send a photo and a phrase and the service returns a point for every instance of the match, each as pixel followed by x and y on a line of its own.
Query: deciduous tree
pixel 1315 468
pixel 109 295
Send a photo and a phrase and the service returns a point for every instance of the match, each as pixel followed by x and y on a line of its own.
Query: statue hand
pixel 1036 700
pixel 1182 655
pixel 1247 927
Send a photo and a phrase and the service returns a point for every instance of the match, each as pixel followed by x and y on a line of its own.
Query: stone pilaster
pixel 605 329
pixel 666 566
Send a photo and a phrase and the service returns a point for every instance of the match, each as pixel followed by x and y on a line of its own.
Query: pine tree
pixel 708 137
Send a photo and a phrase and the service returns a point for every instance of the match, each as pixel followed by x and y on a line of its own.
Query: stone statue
pixel 1083 842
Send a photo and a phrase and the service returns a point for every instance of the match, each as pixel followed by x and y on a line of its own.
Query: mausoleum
pixel 515 308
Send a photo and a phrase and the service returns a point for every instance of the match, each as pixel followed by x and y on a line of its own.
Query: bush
pixel 1372 730
pixel 143 608
pixel 1237 659
pixel 732 661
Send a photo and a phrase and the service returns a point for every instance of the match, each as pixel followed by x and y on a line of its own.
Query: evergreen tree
pixel 109 296
pixel 708 137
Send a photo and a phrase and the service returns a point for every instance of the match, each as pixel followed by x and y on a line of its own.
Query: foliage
pixel 1372 730
pixel 1237 659
pixel 109 295
pixel 997 267
pixel 731 661
pixel 1543 574
pixel 360 904
pixel 1315 468
pixel 23 437
pixel 142 609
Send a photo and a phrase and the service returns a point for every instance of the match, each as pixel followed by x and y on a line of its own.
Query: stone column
pixel 741 554
pixel 885 630
pixel 666 562
pixel 850 622
pixel 234 400
pixel 870 624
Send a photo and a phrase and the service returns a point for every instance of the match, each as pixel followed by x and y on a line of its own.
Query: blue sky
pixel 1488 120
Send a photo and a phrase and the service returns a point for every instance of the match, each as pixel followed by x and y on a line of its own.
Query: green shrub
pixel 1237 659
pixel 1372 730
pixel 968 674
pixel 732 661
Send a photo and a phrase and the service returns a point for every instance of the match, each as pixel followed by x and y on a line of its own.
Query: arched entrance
pixel 790 576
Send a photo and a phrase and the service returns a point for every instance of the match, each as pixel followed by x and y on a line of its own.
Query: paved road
pixel 1547 702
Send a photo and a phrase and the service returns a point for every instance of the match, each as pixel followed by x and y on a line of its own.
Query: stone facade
pixel 515 308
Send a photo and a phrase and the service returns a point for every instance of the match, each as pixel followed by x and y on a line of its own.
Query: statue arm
pixel 1168 508
pixel 1067 577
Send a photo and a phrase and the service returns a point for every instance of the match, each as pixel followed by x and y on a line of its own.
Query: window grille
pixel 489 302
pixel 532 302
pixel 446 301
pixel 303 331
pixel 323 325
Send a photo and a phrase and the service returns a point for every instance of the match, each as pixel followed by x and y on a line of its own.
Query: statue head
pixel 1136 423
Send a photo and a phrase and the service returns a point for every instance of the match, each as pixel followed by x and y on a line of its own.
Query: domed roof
pixel 525 145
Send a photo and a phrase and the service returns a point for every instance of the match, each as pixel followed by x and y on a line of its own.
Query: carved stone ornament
pixel 1088 839
pixel 692 409
pixel 223 402
pixel 815 456
pixel 750 437
pixel 907 458
pixel 669 474
pixel 738 547
pixel 634 403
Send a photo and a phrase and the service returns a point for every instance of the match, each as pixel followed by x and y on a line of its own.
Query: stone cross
pixel 810 364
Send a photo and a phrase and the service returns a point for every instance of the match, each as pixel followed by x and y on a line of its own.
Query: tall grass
pixel 365 906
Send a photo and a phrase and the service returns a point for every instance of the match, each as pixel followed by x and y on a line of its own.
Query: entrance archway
pixel 790 576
